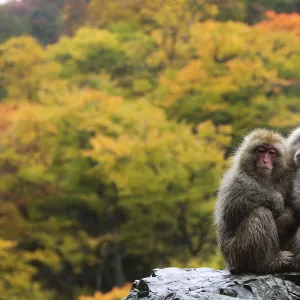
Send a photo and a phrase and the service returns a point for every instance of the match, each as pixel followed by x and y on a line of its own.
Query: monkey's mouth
pixel 265 168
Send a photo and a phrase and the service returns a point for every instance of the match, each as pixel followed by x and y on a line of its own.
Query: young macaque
pixel 251 196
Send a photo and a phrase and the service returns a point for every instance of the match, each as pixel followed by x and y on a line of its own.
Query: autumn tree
pixel 90 51
pixel 73 15
pixel 102 13
pixel 106 59
pixel 24 67
pixel 123 164
pixel 281 22
pixel 231 71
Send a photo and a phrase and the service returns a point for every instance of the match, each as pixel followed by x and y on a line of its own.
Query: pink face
pixel 265 156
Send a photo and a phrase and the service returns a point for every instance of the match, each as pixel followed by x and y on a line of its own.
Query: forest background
pixel 117 119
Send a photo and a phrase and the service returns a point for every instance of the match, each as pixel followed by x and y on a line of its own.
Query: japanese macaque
pixel 293 144
pixel 251 196
pixel 293 244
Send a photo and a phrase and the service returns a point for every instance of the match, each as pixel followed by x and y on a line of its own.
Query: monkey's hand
pixel 286 258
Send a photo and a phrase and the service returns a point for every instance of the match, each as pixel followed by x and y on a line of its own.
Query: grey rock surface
pixel 206 283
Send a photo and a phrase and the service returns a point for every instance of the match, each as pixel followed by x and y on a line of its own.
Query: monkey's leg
pixel 256 246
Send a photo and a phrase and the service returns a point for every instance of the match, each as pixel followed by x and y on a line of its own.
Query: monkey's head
pixel 262 153
pixel 293 144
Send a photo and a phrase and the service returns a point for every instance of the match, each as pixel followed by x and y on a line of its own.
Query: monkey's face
pixel 263 153
pixel 266 156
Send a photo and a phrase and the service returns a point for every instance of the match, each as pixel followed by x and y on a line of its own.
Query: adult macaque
pixel 250 198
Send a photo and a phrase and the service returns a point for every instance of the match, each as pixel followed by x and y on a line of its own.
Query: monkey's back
pixel 235 189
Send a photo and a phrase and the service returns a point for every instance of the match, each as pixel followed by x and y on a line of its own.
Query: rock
pixel 206 283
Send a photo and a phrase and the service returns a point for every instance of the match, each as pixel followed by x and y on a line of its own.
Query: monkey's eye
pixel 260 150
pixel 272 152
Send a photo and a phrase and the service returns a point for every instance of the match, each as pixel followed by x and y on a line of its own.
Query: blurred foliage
pixel 24 68
pixel 89 51
pixel 115 294
pixel 281 22
pixel 16 273
pixel 245 66
pixel 116 122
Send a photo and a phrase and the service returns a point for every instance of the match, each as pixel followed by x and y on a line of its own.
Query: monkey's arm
pixel 243 197
pixel 257 195
pixel 240 194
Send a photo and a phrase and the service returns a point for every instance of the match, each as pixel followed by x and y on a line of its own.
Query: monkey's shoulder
pixel 237 187
pixel 234 179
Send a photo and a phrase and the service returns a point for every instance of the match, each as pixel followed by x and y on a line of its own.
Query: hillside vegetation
pixel 117 119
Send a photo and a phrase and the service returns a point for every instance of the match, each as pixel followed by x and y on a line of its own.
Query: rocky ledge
pixel 205 283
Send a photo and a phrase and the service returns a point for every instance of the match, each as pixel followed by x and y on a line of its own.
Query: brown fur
pixel 248 204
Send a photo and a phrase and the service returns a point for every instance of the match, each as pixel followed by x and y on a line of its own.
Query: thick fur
pixel 293 219
pixel 293 146
pixel 246 208
pixel 287 223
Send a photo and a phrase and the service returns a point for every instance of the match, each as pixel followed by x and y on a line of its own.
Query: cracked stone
pixel 210 284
